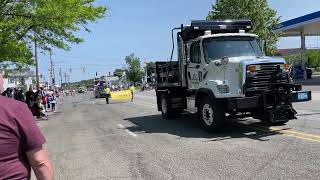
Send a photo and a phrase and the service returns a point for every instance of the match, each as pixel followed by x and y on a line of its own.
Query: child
pixel 38 109
pixel 53 103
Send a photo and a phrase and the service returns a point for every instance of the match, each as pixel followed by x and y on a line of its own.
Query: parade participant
pixel 132 89
pixel 107 91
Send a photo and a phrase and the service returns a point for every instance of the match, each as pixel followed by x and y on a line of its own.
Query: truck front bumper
pixel 254 102
pixel 236 104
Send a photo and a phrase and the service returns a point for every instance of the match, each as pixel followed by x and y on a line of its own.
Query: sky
pixel 143 27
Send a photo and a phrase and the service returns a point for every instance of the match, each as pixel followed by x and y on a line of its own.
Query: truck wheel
pixel 166 110
pixel 211 115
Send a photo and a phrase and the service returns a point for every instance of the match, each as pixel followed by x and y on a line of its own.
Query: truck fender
pixel 204 92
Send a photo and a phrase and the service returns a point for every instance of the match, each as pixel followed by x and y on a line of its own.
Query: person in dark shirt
pixel 10 93
pixel 38 109
pixel 20 96
pixel 21 143
pixel 4 93
pixel 30 97
pixel 15 94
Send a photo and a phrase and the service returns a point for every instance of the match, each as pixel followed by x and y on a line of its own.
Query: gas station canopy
pixel 307 25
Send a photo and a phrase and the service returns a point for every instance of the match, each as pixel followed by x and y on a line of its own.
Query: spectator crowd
pixel 39 102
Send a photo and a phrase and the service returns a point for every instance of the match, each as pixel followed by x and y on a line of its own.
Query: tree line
pixel 134 71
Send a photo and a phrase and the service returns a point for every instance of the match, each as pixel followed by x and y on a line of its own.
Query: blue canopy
pixel 307 25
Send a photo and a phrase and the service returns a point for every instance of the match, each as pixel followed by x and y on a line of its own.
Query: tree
pixel 118 72
pixel 50 23
pixel 134 72
pixel 151 68
pixel 313 58
pixel 263 18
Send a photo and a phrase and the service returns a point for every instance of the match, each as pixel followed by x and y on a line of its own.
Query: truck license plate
pixel 302 96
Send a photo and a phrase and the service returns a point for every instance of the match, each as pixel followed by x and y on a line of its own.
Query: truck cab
pixel 221 71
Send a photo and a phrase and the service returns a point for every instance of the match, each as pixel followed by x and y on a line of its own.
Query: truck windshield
pixel 217 48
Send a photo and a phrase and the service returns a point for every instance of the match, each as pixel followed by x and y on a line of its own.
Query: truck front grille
pixel 261 79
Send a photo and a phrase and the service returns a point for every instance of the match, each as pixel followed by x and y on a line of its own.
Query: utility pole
pixel 69 82
pixel 60 74
pixel 52 75
pixel 37 64
pixel 146 72
pixel 65 79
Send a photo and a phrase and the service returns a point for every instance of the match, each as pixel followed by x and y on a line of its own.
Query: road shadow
pixel 188 127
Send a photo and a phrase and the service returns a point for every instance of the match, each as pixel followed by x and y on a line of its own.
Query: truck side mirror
pixel 262 45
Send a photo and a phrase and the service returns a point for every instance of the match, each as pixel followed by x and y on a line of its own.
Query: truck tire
pixel 211 115
pixel 166 109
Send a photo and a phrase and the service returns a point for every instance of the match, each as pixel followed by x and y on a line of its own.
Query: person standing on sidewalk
pixel 20 96
pixel 21 143
pixel 30 98
pixel 53 103
pixel 107 91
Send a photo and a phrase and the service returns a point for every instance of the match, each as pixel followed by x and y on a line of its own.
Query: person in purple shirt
pixel 21 143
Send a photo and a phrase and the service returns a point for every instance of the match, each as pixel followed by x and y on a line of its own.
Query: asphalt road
pixel 88 139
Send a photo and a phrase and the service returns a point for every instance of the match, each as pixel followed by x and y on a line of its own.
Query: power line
pixel 81 65
pixel 91 58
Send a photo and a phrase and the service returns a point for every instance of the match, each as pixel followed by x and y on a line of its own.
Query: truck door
pixel 194 69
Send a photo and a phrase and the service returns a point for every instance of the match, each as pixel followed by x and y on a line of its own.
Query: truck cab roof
pixel 222 28
pixel 227 35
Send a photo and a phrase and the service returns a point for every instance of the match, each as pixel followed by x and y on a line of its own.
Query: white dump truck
pixel 221 71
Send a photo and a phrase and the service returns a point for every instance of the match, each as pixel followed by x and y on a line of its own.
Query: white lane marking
pixel 120 126
pixel 131 133
pixel 150 105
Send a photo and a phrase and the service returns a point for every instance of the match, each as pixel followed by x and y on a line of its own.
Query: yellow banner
pixel 121 95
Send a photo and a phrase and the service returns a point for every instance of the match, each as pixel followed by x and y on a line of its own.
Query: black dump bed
pixel 168 74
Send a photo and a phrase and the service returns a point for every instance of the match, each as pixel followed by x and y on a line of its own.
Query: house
pixel 18 78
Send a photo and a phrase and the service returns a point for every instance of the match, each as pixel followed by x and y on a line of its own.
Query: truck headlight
pixel 285 66
pixel 253 68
